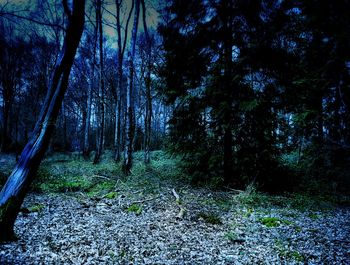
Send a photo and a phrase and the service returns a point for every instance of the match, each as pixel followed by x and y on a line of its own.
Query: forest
pixel 174 132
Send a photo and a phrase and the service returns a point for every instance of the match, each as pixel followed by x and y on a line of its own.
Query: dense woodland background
pixel 243 91
pixel 174 132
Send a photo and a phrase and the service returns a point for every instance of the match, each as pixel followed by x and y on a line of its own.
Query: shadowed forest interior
pixel 179 132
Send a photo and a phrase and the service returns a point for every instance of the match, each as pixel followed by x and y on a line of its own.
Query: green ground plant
pixel 210 218
pixel 273 221
pixel 37 207
pixel 134 208
pixel 111 195
pixel 285 252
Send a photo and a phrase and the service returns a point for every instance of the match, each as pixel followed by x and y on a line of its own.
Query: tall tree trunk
pixel 320 123
pixel 165 118
pixel 130 97
pixel 8 88
pixel 64 125
pixel 344 95
pixel 14 190
pixel 118 92
pixel 227 88
pixel 86 148
pixel 336 130
pixel 119 109
pixel 148 116
pixel 5 122
pixel 101 93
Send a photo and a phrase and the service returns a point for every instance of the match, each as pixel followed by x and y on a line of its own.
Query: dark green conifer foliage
pixel 283 88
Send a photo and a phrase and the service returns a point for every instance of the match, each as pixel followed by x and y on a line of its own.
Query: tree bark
pixel 8 83
pixel 86 148
pixel 129 97
pixel 119 109
pixel 148 116
pixel 101 93
pixel 14 190
pixel 227 88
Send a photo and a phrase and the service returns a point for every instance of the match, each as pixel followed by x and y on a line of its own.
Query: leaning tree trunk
pixel 129 98
pixel 14 190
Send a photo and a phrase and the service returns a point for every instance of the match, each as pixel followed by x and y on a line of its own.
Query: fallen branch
pixel 235 190
pixel 101 176
pixel 181 214
pixel 176 196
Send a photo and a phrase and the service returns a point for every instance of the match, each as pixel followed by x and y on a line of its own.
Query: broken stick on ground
pixel 181 214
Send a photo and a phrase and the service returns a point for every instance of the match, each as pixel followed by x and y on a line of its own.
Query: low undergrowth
pixel 70 172
pixel 251 198
pixel 61 173
pixel 273 221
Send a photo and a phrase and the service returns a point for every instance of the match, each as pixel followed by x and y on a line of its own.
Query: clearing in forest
pixel 79 213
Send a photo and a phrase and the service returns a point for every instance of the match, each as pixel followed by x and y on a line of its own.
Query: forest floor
pixel 80 213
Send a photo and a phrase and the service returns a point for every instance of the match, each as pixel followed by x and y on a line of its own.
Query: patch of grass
pixel 313 216
pixel 134 208
pixel 270 221
pixel 222 204
pixel 251 198
pixel 68 172
pixel 111 195
pixel 37 207
pixel 273 221
pixel 249 212
pixel 296 256
pixel 210 218
pixel 298 229
pixel 104 186
pixel 122 253
pixel 284 251
pixel 113 256
pixel 66 184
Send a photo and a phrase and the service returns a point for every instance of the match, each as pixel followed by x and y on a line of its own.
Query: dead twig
pixel 182 212
pixel 102 177
pixel 145 200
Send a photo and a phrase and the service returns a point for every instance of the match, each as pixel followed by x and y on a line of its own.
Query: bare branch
pixel 34 20
pixel 66 8
pixel 126 27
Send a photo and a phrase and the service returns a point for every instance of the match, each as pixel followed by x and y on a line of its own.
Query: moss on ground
pixel 111 195
pixel 273 222
pixel 37 207
pixel 135 208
